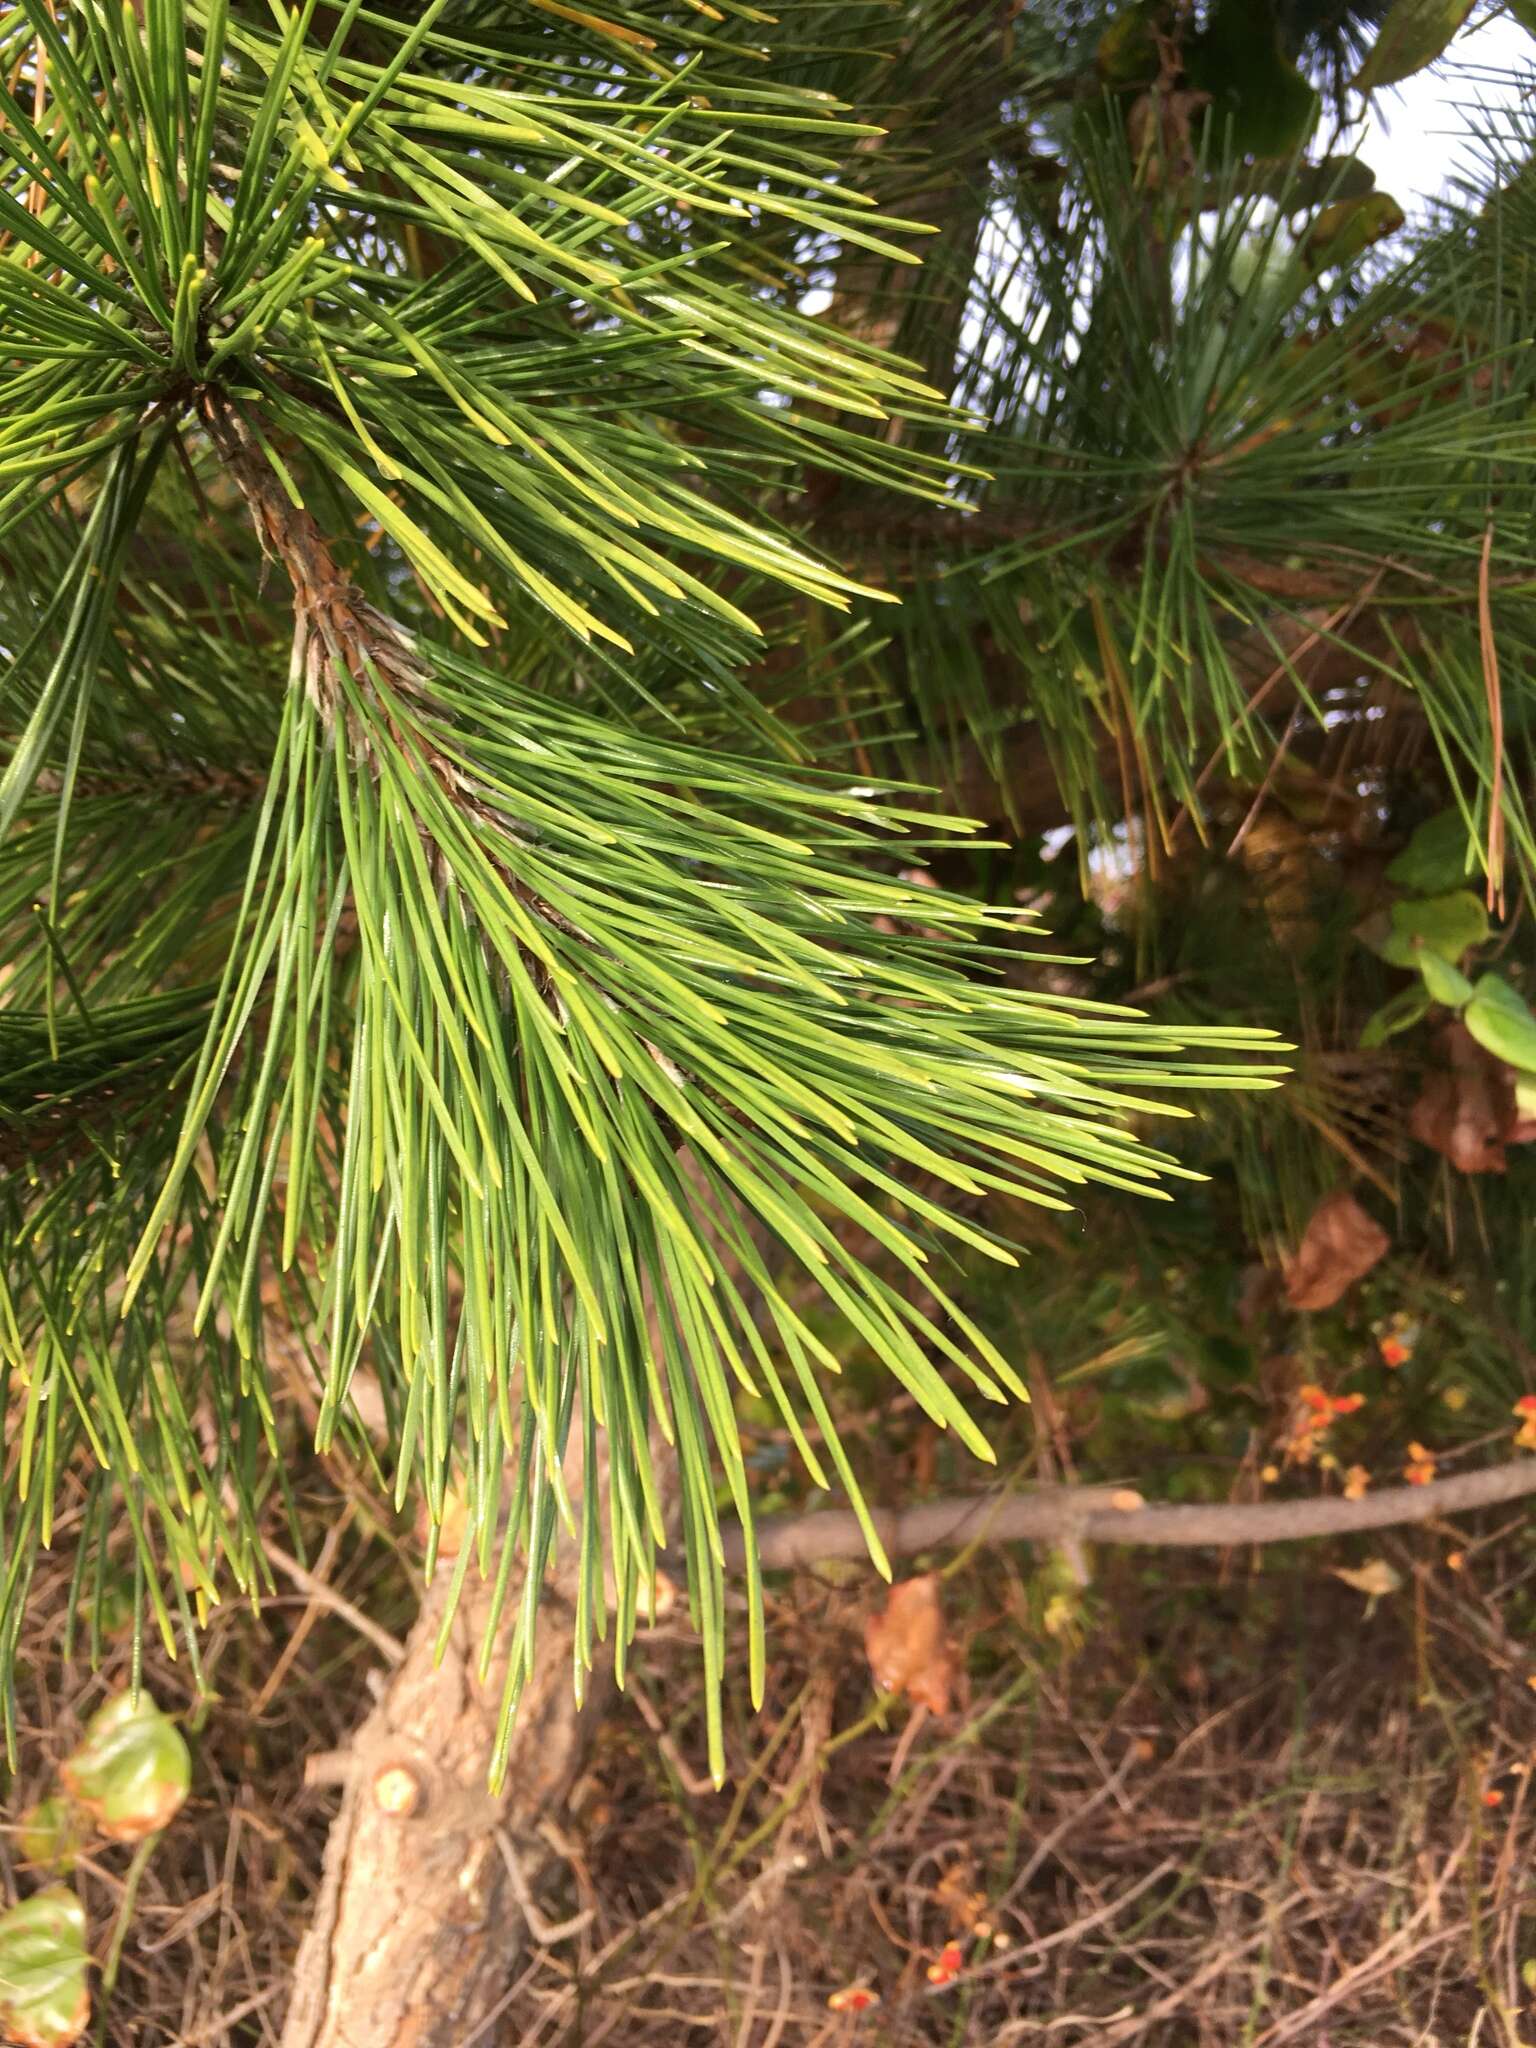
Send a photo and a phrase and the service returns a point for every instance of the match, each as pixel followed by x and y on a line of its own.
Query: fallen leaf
pixel 1375 1578
pixel 908 1647
pixel 1420 1468
pixel 1339 1246
pixel 51 1834
pixel 956 1894
pixel 1467 1108
pixel 131 1772
pixel 45 2000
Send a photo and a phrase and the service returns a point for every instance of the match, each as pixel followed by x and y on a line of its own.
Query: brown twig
pixel 389 1647
pixel 1053 1514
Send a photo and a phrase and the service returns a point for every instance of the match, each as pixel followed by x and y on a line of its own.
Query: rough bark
pixel 420 1923
pixel 428 1895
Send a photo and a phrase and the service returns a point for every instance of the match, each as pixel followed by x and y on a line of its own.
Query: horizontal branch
pixel 1062 1514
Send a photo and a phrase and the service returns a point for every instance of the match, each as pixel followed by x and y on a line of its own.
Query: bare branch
pixel 1059 1513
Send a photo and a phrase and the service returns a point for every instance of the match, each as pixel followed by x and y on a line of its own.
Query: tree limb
pixel 1058 1514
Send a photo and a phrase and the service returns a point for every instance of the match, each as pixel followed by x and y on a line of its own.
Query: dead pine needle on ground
pixel 1175 1811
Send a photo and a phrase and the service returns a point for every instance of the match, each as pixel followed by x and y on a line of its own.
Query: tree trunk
pixel 420 1921
pixel 426 1901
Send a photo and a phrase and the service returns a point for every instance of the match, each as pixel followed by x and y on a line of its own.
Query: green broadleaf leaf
pixel 1331 181
pixel 1447 984
pixel 51 1834
pixel 1500 1019
pixel 1414 34
pixel 132 1771
pixel 1449 925
pixel 1258 97
pixel 1349 227
pixel 45 2001
pixel 1401 1013
pixel 1435 858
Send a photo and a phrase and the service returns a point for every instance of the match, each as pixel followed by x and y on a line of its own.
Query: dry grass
pixel 1232 1816
pixel 1265 1825
pixel 215 1920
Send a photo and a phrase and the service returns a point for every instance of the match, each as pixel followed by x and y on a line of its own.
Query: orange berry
pixel 853 1998
pixel 949 1964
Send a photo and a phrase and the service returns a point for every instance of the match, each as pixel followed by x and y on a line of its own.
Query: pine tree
pixel 467 812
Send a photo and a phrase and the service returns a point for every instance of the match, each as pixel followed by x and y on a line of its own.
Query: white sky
pixel 1410 138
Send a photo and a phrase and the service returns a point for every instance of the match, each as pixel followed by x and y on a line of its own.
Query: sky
pixel 1414 133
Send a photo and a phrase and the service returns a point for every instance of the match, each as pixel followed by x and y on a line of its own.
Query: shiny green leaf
pixel 132 1771
pixel 1500 1019
pixel 1447 984
pixel 45 2000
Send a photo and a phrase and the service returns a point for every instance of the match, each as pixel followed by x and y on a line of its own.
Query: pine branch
pixel 557 1015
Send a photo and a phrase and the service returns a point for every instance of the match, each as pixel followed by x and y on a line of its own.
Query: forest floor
pixel 1204 1803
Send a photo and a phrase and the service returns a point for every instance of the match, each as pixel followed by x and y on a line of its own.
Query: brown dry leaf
pixel 1467 1109
pixel 1375 1577
pixel 957 1897
pixel 908 1646
pixel 1339 1246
